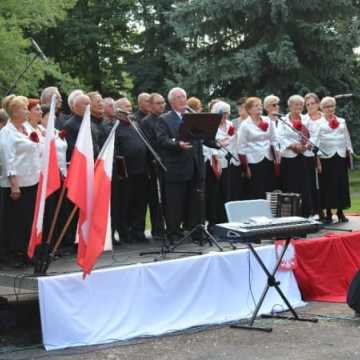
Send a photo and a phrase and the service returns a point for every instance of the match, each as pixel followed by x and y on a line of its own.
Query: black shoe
pixel 342 218
pixel 139 237
pixel 328 217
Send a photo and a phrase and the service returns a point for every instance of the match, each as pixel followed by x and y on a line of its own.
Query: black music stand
pixel 271 282
pixel 199 127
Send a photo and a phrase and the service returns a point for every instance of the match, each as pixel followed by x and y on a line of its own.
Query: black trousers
pixel 157 225
pixel 184 205
pixel 214 212
pixel 131 206
pixel 18 219
pixel 115 203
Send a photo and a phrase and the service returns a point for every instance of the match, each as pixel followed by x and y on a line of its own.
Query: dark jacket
pixel 129 145
pixel 71 128
pixel 180 163
pixel 138 116
pixel 98 126
pixel 148 126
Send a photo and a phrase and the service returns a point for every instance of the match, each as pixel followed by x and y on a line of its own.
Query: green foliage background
pixel 212 48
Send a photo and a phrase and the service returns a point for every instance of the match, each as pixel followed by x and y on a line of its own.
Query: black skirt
pixel 296 177
pixel 334 183
pixel 2 234
pixel 262 179
pixel 18 219
pixel 214 198
pixel 314 183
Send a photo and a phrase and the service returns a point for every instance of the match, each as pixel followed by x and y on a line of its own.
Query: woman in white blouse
pixel 20 174
pixel 297 157
pixel 257 148
pixel 334 180
pixel 272 108
pixel 313 118
pixel 228 173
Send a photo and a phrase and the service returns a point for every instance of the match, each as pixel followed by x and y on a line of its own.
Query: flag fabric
pixel 100 218
pixel 80 182
pixel 49 181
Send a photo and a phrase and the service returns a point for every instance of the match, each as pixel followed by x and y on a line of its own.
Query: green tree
pixel 156 37
pixel 260 47
pixel 20 20
pixel 91 43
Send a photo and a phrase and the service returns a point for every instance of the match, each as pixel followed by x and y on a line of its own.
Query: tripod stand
pixel 166 247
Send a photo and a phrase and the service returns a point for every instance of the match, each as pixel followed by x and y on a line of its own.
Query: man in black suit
pixel 148 126
pixel 143 107
pixel 130 170
pixel 72 126
pixel 97 108
pixel 181 181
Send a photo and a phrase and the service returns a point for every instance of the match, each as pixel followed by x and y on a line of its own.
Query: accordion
pixel 284 204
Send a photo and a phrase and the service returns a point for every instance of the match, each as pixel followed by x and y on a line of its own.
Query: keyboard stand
pixel 271 282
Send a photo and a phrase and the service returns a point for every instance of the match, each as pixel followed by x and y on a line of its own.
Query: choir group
pixel 307 151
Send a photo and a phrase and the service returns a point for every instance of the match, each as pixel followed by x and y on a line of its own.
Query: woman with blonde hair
pixel 19 156
pixel 313 118
pixel 334 179
pixel 297 156
pixel 257 148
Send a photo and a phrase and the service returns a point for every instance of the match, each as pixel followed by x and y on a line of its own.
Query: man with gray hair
pixel 143 107
pixel 45 99
pixel 185 176
pixel 109 109
pixel 72 126
pixel 71 98
pixel 123 103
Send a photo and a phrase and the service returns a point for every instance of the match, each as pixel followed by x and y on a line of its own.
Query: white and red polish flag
pixel 49 181
pixel 80 182
pixel 100 229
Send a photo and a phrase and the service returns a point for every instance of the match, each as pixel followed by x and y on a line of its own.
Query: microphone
pixel 190 109
pixel 280 115
pixel 38 49
pixel 121 111
pixel 342 96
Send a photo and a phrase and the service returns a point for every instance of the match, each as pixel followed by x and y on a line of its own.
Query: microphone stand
pixel 303 137
pixel 14 84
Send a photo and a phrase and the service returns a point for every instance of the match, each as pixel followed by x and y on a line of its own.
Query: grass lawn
pixel 355 190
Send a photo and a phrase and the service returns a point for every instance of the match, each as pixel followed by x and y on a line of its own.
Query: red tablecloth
pixel 325 266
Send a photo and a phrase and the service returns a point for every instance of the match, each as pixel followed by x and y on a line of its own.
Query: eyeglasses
pixel 159 102
pixel 328 106
pixel 274 105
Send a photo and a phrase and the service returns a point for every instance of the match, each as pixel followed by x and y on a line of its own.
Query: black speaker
pixel 353 295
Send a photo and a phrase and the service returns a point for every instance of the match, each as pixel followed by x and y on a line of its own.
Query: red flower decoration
pixel 34 137
pixel 297 125
pixel 62 134
pixel 296 122
pixel 231 130
pixel 263 125
pixel 334 122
